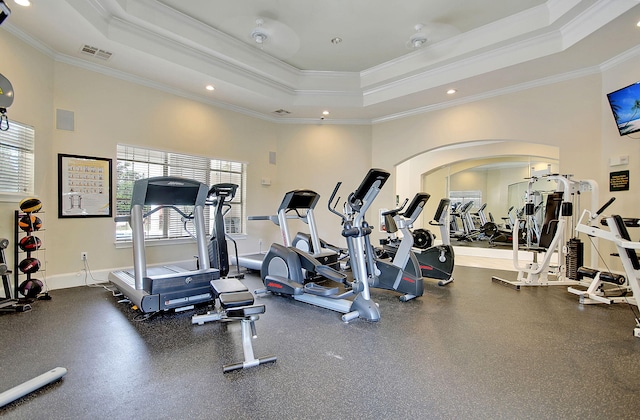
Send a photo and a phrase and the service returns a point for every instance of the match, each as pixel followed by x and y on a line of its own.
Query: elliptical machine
pixel 219 196
pixel 401 274
pixel 284 267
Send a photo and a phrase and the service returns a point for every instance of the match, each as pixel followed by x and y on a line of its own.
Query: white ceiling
pixel 479 47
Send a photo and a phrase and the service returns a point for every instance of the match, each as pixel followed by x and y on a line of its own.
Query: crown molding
pixel 492 94
pixel 566 25
pixel 621 58
pixel 28 39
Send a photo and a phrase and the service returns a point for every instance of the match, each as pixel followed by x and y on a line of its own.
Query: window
pixel 459 198
pixel 135 163
pixel 17 157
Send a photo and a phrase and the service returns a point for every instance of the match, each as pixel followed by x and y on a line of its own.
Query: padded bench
pixel 236 304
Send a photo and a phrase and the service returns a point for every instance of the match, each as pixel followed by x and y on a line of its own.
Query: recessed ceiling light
pixel 22 2
pixel 638 24
pixel 210 87
pixel 451 91
pixel 325 112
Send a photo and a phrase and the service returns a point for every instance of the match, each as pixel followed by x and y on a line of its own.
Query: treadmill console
pixel 169 191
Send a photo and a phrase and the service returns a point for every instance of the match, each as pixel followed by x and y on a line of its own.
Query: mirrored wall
pixel 489 190
pixel 491 173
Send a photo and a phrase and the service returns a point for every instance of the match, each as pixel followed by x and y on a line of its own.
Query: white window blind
pixel 17 157
pixel 135 163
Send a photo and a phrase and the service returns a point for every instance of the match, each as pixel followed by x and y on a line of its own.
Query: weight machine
pixel 551 243
pixel 618 234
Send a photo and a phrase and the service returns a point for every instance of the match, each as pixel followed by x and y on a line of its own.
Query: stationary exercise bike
pixel 284 267
pixel 402 273
pixel 436 261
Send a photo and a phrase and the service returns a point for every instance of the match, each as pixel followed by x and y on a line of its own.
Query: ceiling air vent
pixel 95 52
pixel 281 112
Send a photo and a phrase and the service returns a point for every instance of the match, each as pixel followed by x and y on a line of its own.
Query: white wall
pixel 564 115
pixel 627 203
pixel 572 116
pixel 31 75
pixel 319 156
pixel 612 145
pixel 109 111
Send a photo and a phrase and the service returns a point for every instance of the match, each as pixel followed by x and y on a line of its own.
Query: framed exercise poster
pixel 84 186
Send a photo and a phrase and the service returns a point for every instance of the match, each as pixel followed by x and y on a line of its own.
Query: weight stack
pixel 575 257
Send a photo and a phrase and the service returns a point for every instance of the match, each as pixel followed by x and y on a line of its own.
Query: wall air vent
pixel 281 112
pixel 95 52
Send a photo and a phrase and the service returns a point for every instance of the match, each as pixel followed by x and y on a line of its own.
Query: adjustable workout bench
pixel 236 304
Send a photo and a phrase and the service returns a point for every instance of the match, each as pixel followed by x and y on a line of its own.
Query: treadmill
pixel 154 289
pixel 297 204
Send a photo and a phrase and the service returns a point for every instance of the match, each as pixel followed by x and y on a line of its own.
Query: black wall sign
pixel 619 181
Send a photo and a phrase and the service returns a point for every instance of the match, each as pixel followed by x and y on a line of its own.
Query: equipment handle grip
pixel 335 190
pixel 396 210
pixel 604 207
pixel 333 195
pixel 356 231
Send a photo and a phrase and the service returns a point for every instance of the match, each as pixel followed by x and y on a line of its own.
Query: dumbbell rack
pixel 17 256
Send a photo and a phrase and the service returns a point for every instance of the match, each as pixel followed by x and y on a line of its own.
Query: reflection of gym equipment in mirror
pixel 484 176
pixel 153 289
pixel 461 224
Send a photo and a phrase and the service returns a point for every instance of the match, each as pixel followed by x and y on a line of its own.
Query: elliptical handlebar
pixel 332 209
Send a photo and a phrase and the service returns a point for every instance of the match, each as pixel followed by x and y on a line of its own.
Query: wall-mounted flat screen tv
pixel 625 105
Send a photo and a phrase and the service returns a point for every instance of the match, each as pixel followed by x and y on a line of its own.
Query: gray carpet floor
pixel 471 350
